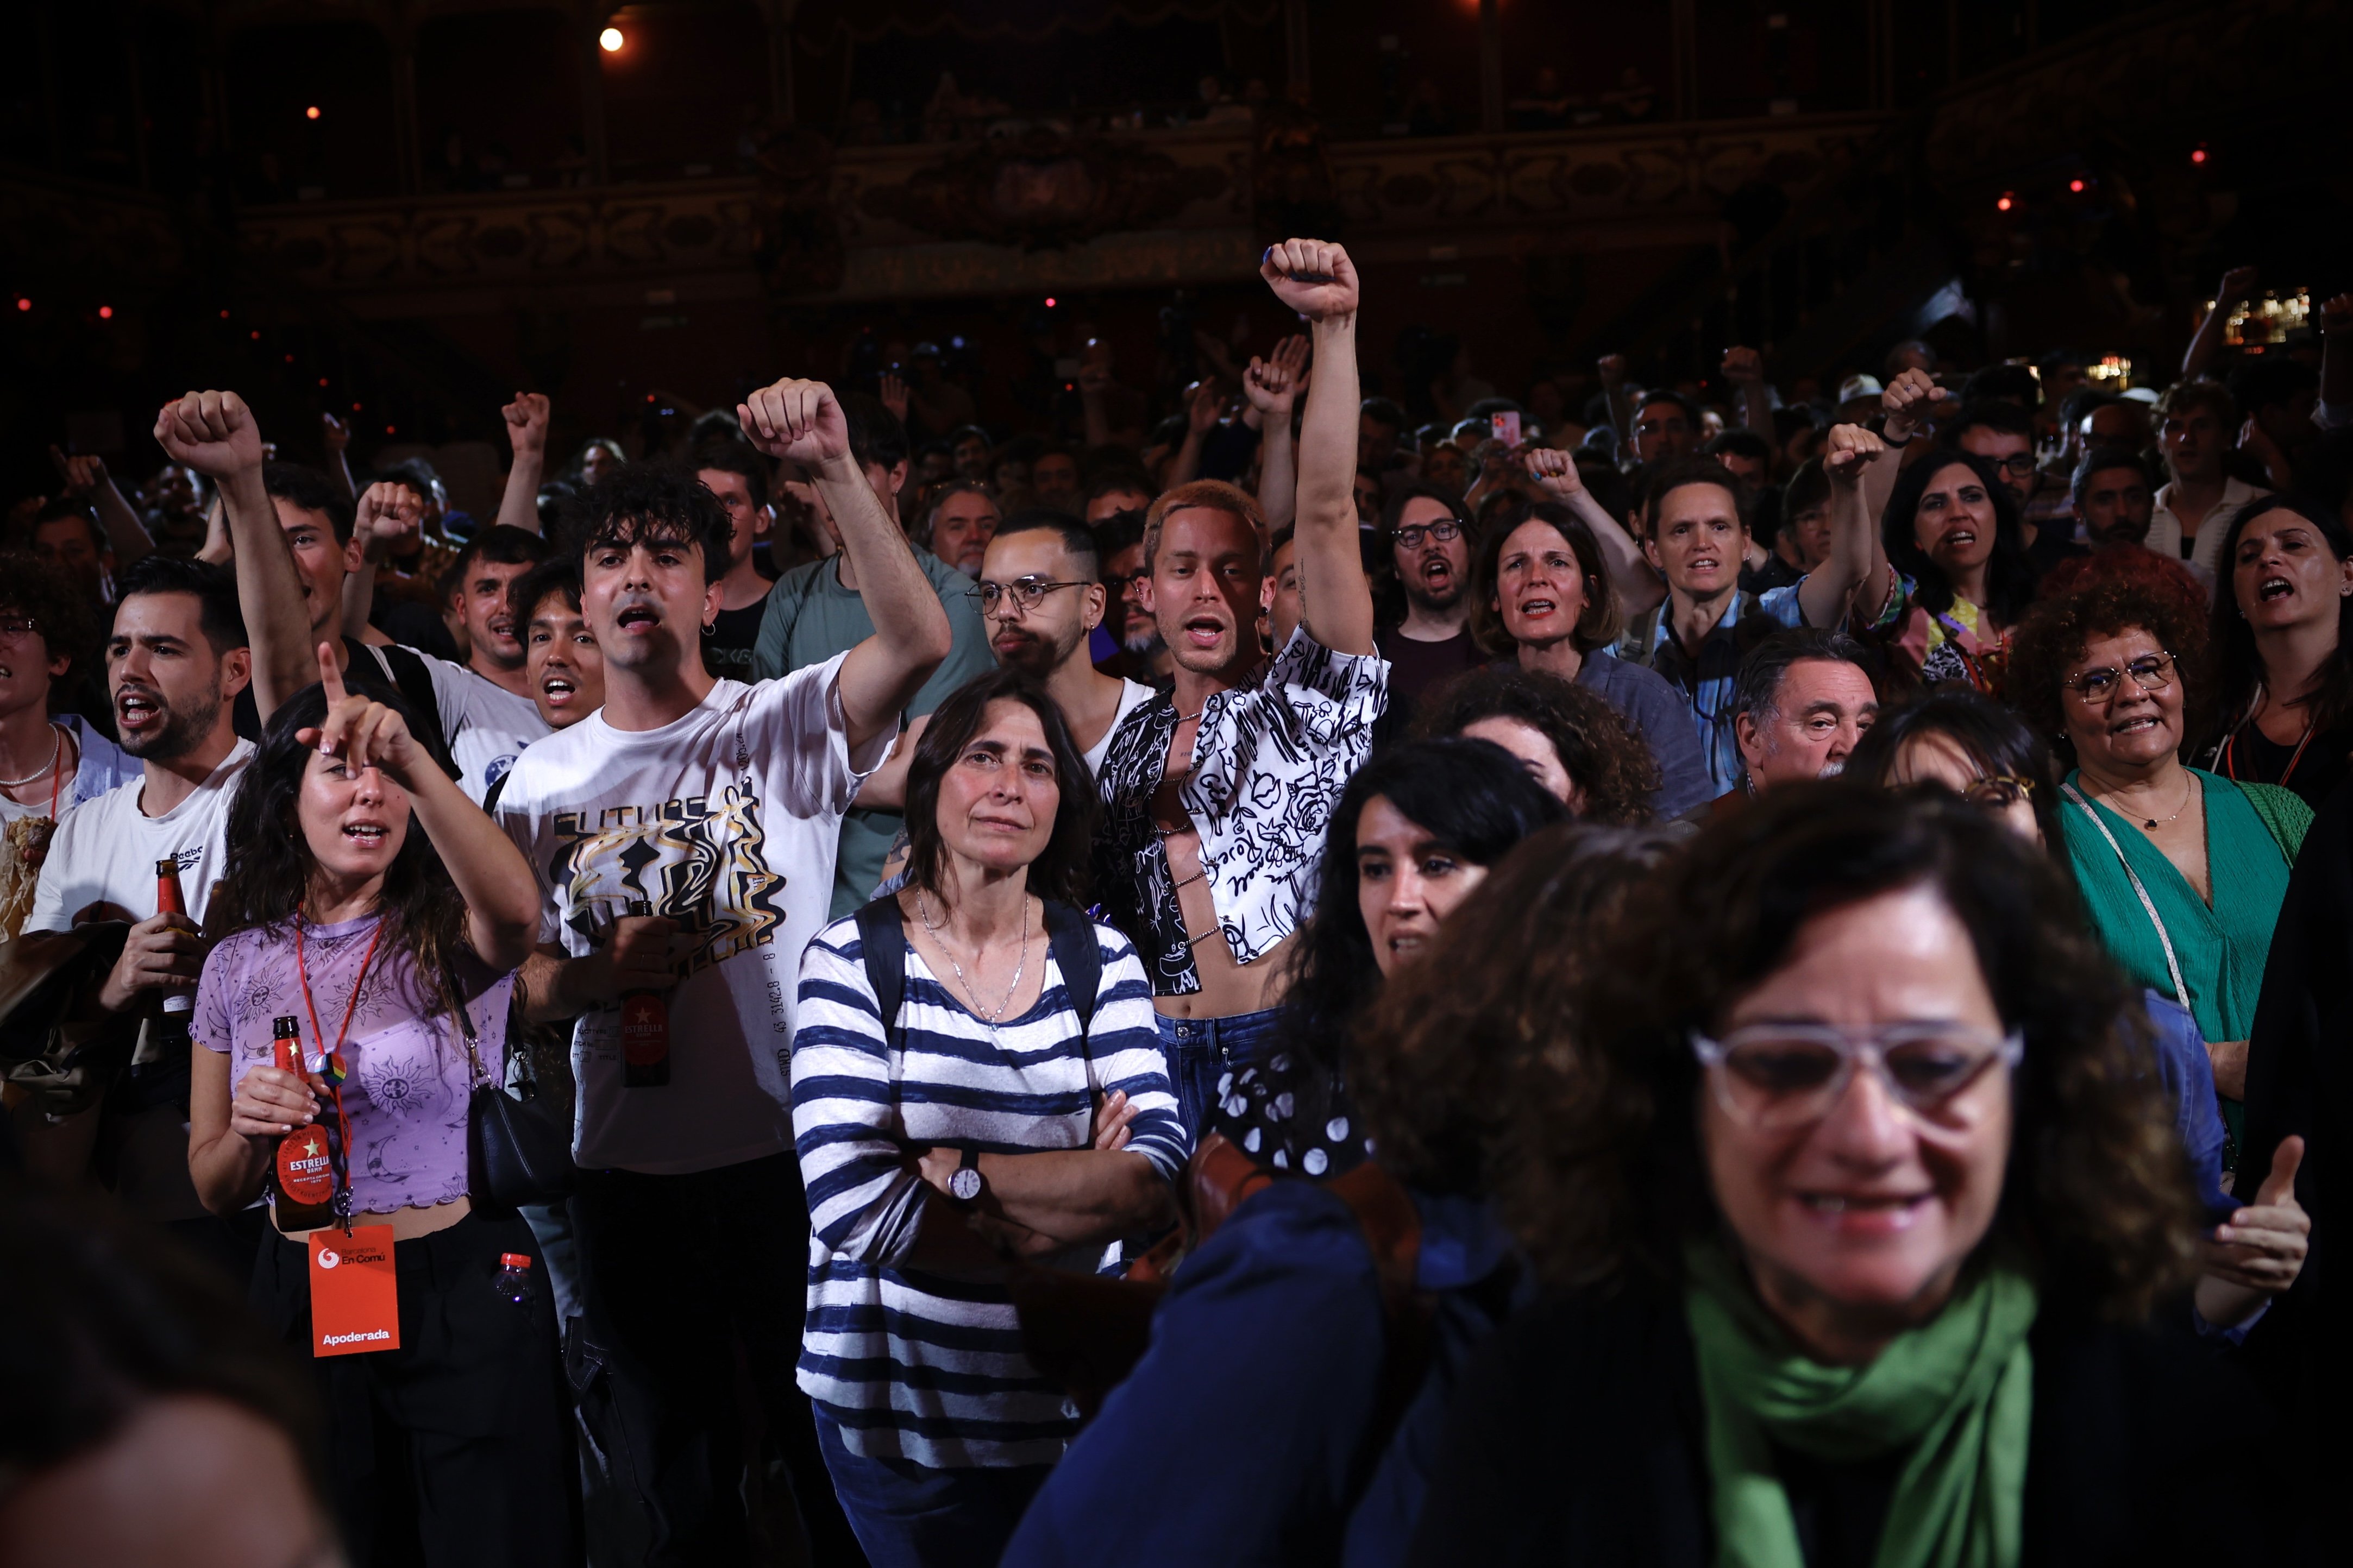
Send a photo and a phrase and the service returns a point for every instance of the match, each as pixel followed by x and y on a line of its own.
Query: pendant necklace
pixel 924 911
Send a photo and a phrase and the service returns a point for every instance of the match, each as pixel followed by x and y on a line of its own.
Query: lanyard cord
pixel 331 1062
pixel 2230 753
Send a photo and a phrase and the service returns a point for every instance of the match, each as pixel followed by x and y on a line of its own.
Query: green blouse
pixel 2222 950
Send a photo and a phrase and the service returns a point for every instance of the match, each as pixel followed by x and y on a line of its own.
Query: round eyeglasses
pixel 1414 535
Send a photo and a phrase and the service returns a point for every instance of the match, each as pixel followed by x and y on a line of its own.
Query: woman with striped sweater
pixel 976 1077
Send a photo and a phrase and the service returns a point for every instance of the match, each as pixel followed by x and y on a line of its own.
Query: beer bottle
pixel 169 901
pixel 304 1169
pixel 645 1029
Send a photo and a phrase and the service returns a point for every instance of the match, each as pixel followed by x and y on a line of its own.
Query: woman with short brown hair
pixel 1856 1193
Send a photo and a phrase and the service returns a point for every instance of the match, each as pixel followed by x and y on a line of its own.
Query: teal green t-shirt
pixel 811 617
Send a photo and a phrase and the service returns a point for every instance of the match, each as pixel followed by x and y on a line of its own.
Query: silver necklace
pixel 923 913
pixel 57 754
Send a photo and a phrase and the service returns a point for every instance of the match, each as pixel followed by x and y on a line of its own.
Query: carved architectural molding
pixel 1039 209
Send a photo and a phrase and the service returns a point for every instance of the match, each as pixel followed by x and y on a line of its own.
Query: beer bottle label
pixel 306 1175
pixel 645 1029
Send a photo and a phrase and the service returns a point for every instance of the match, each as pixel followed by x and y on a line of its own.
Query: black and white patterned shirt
pixel 1270 760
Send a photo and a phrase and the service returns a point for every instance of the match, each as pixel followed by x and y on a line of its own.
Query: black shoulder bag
pixel 516 1152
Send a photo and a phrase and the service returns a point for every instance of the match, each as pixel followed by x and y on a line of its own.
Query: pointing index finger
pixel 331 675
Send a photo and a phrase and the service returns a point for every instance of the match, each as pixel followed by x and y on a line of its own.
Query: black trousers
pixel 698 1280
pixel 457 1448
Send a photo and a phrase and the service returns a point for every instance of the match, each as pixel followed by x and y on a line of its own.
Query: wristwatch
pixel 965 1184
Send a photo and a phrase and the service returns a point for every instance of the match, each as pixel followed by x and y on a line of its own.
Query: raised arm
pixel 2336 361
pixel 336 437
pixel 85 476
pixel 2206 343
pixel 214 434
pixel 1317 278
pixel 1272 384
pixel 1202 406
pixel 526 419
pixel 490 874
pixel 1611 368
pixel 1745 369
pixel 1637 583
pixel 1827 591
pixel 386 514
pixel 803 422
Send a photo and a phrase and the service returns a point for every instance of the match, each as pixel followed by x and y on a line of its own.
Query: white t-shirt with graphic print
pixel 726 821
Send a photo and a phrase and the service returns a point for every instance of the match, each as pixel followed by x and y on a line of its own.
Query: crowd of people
pixel 1639 981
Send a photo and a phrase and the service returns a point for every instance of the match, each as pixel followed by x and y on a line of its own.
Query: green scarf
pixel 1957 1391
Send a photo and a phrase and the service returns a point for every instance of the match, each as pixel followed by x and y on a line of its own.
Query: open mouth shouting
pixel 140 711
pixel 1437 572
pixel 638 618
pixel 1204 631
pixel 2271 589
pixel 558 692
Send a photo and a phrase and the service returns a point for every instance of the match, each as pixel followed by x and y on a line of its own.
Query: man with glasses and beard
pixel 174 664
pixel 1429 546
pixel 1040 594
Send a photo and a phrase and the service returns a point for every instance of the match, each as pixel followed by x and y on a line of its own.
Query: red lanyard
pixel 2231 756
pixel 331 1062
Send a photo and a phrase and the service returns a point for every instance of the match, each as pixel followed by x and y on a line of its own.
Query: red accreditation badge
pixel 354 1291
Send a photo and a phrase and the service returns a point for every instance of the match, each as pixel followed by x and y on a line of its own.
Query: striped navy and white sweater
pixel 916 1366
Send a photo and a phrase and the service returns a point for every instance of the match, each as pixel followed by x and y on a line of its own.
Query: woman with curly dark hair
pixel 1541 600
pixel 1951 531
pixel 1416 830
pixel 372 904
pixel 1858 1198
pixel 2182 871
pixel 1571 740
pixel 1295 1392
pixel 2283 631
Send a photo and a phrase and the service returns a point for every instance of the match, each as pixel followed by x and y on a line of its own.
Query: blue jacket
pixel 2189 1074
pixel 1240 1437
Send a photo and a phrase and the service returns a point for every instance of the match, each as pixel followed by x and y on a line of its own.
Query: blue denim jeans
pixel 1201 1051
pixel 912 1516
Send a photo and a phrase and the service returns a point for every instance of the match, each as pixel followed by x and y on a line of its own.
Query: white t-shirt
pixel 726 821
pixel 1133 693
pixel 105 849
pixel 485 726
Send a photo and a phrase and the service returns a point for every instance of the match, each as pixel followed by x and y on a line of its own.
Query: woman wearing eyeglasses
pixel 1540 597
pixel 1984 752
pixel 1852 1207
pixel 2182 871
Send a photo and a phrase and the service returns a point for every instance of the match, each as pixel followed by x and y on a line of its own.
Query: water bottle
pixel 514 1282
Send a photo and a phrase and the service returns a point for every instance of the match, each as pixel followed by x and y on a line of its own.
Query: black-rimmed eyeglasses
pixel 1025 592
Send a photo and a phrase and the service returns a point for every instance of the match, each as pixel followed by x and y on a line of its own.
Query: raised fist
pixel 799 420
pixel 1848 449
pixel 1743 367
pixel 211 432
pixel 1314 277
pixel 1613 370
pixel 1907 403
pixel 526 419
pixel 84 473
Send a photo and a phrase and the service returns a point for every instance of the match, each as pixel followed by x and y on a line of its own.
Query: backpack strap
pixel 414 683
pixel 1071 936
pixel 882 938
